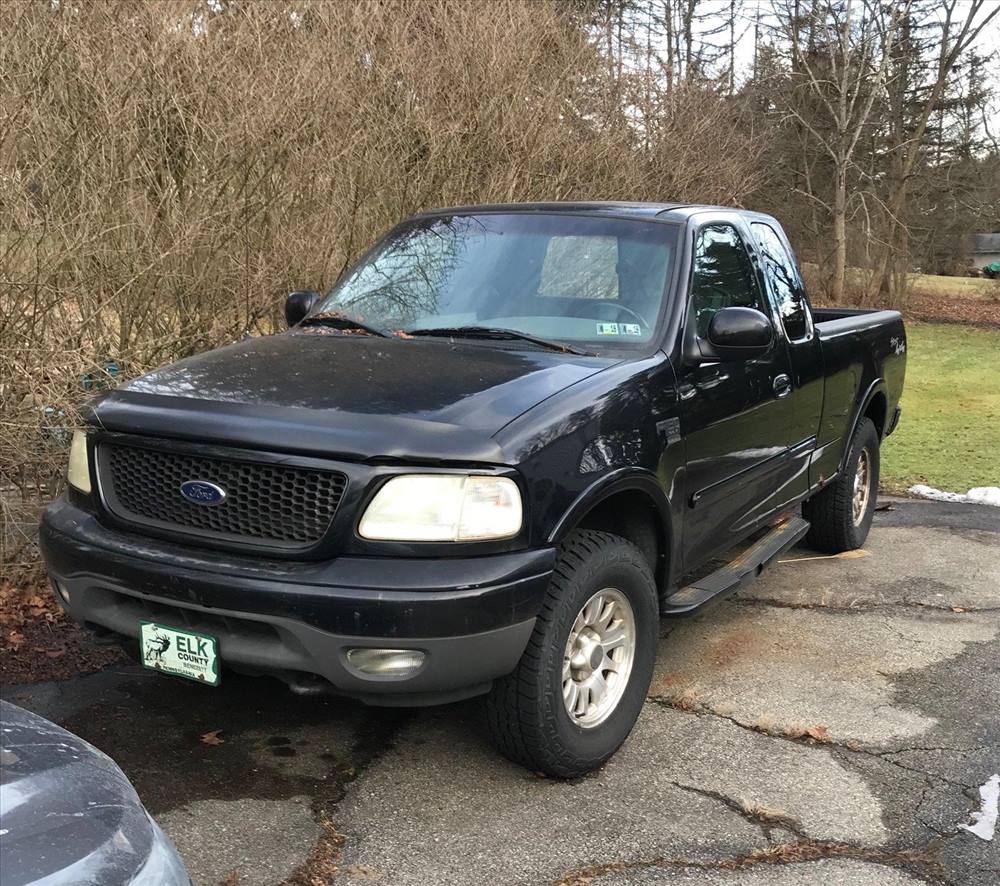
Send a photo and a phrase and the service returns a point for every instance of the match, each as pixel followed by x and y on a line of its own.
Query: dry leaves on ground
pixel 953 309
pixel 38 642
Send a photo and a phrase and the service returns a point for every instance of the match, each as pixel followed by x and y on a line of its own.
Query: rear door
pixel 793 318
pixel 736 414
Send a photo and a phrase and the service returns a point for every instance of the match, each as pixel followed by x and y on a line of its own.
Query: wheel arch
pixel 873 405
pixel 628 502
pixel 877 409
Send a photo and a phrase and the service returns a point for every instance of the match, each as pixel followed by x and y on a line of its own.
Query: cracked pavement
pixel 831 723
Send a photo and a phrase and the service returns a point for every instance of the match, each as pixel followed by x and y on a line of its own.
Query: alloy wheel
pixel 598 660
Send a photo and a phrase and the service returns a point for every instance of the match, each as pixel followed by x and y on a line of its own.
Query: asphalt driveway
pixel 831 724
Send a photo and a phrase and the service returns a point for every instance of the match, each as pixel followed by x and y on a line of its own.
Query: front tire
pixel 841 514
pixel 581 683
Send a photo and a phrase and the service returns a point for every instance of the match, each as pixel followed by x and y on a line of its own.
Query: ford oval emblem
pixel 201 492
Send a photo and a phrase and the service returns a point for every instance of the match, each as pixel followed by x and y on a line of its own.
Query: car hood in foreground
pixel 69 815
pixel 358 397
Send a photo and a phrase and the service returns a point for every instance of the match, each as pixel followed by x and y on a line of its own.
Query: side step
pixel 737 573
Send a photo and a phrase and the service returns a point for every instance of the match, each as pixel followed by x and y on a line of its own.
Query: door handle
pixel 782 385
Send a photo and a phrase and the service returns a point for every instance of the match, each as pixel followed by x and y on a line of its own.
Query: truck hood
pixel 353 397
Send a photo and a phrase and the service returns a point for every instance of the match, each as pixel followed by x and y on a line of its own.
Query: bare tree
pixel 843 70
pixel 960 26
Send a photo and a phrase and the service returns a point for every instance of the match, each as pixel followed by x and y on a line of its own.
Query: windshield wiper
pixel 499 333
pixel 339 321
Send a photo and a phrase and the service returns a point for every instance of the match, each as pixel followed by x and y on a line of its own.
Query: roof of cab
pixel 677 211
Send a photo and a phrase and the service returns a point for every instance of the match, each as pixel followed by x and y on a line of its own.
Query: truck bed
pixel 863 351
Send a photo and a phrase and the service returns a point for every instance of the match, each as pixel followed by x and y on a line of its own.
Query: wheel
pixel 841 514
pixel 581 683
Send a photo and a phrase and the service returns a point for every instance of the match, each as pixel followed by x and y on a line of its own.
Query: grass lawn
pixel 949 435
pixel 931 285
pixel 967 287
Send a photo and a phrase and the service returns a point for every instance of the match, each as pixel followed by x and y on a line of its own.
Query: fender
pixel 877 386
pixel 623 480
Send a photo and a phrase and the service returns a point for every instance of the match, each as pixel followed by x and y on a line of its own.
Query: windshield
pixel 557 277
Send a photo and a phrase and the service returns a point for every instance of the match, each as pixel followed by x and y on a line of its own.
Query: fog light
pixel 385 662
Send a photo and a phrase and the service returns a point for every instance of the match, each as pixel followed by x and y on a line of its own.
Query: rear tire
pixel 840 515
pixel 599 617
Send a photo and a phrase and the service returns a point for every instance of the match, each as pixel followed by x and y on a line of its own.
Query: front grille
pixel 265 503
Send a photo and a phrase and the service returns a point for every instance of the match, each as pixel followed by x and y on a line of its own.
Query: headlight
pixel 78 474
pixel 443 507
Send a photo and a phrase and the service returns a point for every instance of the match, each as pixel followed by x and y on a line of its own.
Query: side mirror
pixel 736 333
pixel 298 304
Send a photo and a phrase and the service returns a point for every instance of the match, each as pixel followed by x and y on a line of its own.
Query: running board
pixel 738 572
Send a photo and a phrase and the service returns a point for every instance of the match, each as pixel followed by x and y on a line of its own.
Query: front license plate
pixel 179 652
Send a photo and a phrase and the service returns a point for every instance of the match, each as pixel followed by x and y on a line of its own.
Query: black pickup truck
pixel 505 443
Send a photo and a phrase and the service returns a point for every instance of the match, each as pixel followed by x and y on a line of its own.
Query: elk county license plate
pixel 179 652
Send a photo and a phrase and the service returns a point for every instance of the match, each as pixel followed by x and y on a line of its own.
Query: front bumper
pixel 472 617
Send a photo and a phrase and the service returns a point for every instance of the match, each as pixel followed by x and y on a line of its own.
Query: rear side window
pixel 783 279
pixel 723 276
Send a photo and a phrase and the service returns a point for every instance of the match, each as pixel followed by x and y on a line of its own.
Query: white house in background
pixel 984 249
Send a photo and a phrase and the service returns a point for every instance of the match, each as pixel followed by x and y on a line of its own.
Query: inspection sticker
pixel 607 329
pixel 179 652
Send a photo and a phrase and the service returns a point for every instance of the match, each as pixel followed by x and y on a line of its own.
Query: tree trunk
pixel 839 236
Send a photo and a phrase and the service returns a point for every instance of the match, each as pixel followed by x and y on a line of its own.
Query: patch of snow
pixel 936 494
pixel 984 822
pixel 981 495
pixel 987 495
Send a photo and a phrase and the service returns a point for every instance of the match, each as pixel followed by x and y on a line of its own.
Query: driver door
pixel 734 414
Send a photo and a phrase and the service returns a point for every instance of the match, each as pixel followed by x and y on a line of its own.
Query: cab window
pixel 723 276
pixel 784 282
